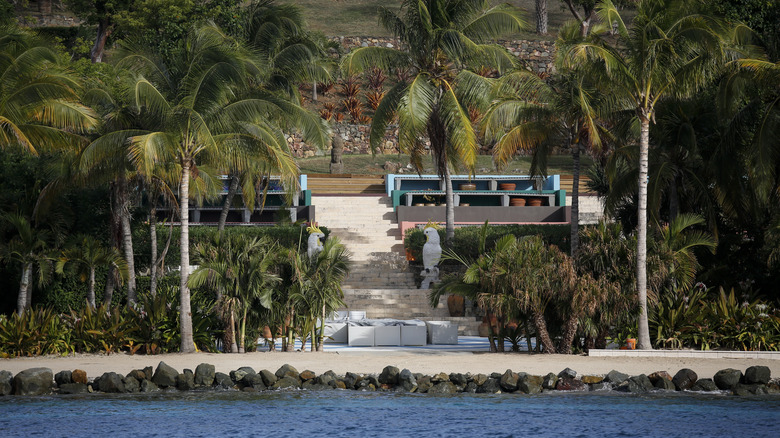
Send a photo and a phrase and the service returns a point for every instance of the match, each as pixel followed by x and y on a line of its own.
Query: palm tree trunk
pixel 575 200
pixel 542 334
pixel 127 237
pixel 541 17
pixel 24 288
pixel 153 240
pixel 641 241
pixel 233 343
pixel 450 209
pixel 108 292
pixel 91 290
pixel 321 337
pixel 674 199
pixel 103 32
pixel 116 242
pixel 185 310
pixel 314 91
pixel 242 333
pixel 569 331
pixel 232 190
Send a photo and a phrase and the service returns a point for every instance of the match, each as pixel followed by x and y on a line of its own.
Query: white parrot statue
pixel 314 242
pixel 431 253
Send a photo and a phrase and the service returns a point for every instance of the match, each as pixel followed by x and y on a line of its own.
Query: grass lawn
pixel 358 17
pixel 372 164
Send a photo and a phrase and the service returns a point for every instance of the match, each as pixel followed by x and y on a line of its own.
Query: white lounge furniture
pixel 413 335
pixel 360 336
pixel 442 333
pixel 335 332
pixel 389 335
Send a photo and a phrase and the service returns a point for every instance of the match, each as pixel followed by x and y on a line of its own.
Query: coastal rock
pixel 636 384
pixel 389 375
pixel 598 386
pixel 406 380
pixel 569 384
pixel 63 377
pixel 758 374
pixel 131 384
pixel 324 378
pixel 237 375
pixel 74 388
pixel 287 382
pixel 424 383
pixel 508 381
pixel 337 384
pixel 744 389
pixel 307 375
pixel 458 379
pixel 269 378
pixel 165 375
pixel 590 380
pixel 664 385
pixel 111 382
pixel 223 380
pixel 253 381
pixel 550 381
pixel 148 386
pixel 351 380
pixel 441 377
pixel 529 384
pixel 79 376
pixel 6 383
pixel 684 379
pixel 480 379
pixel 706 385
pixel 470 388
pixel 137 375
pixel 491 386
pixel 727 379
pixel 654 377
pixel 204 374
pixel 185 381
pixel 443 388
pixel 568 372
pixel 148 372
pixel 616 377
pixel 287 370
pixel 773 387
pixel 33 381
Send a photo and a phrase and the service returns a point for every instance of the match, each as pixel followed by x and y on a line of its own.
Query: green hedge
pixel 466 241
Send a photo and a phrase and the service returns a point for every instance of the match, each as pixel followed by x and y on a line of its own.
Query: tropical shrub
pixel 33 333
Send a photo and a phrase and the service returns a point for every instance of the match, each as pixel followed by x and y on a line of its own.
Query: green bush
pixel 33 333
pixel 466 241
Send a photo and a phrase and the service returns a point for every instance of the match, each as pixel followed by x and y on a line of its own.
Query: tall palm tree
pixel 326 273
pixel 206 112
pixel 671 49
pixel 29 247
pixel 88 254
pixel 39 106
pixel 438 38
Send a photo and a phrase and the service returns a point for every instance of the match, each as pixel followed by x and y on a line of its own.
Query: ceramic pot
pixel 507 186
pixel 535 202
pixel 468 186
pixel 456 305
pixel 517 202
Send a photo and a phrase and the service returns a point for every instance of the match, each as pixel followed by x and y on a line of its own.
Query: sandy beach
pixel 373 362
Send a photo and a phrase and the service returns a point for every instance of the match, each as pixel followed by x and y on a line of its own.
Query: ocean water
pixel 362 414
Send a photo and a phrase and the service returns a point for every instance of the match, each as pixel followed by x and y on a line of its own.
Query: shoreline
pixel 375 361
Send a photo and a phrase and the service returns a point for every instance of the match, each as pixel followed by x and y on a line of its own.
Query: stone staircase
pixel 380 281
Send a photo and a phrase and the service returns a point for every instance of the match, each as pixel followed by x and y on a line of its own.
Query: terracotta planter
pixel 456 305
pixel 507 186
pixel 267 333
pixel 484 330
pixel 535 202
pixel 631 343
pixel 516 202
pixel 467 187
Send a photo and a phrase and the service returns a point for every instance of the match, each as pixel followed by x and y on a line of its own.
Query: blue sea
pixel 363 414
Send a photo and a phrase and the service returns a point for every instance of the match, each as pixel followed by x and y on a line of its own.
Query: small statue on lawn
pixel 431 253
pixel 336 164
pixel 314 242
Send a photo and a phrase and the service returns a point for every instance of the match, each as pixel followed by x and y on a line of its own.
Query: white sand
pixel 373 362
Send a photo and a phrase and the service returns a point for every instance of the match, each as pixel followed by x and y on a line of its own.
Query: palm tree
pixel 39 107
pixel 28 247
pixel 325 275
pixel 438 38
pixel 671 49
pixel 88 254
pixel 205 112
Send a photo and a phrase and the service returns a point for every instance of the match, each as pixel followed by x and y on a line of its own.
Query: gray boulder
pixel 148 386
pixel 570 384
pixel 440 377
pixel 424 383
pixel 549 381
pixel 664 385
pixel 636 384
pixel 684 379
pixel 269 378
pixel 287 382
pixel 529 384
pixel 350 380
pixel 74 388
pixel 458 379
pixel 253 381
pixel 406 380
pixel 443 388
pixel 616 377
pixel 389 375
pixel 33 381
pixel 758 374
pixel 654 377
pixel 324 378
pixel 237 375
pixel 185 381
pixel 137 375
pixel 744 389
pixel 601 386
pixel 704 385
pixel 111 382
pixel 491 386
pixel 727 379
pixel 287 370
pixel 63 377
pixel 470 388
pixel 131 384
pixel 480 379
pixel 6 383
pixel 204 374
pixel 165 375
pixel 568 372
pixel 508 381
pixel 223 381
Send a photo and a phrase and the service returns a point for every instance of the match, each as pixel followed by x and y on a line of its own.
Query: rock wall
pixel 356 141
